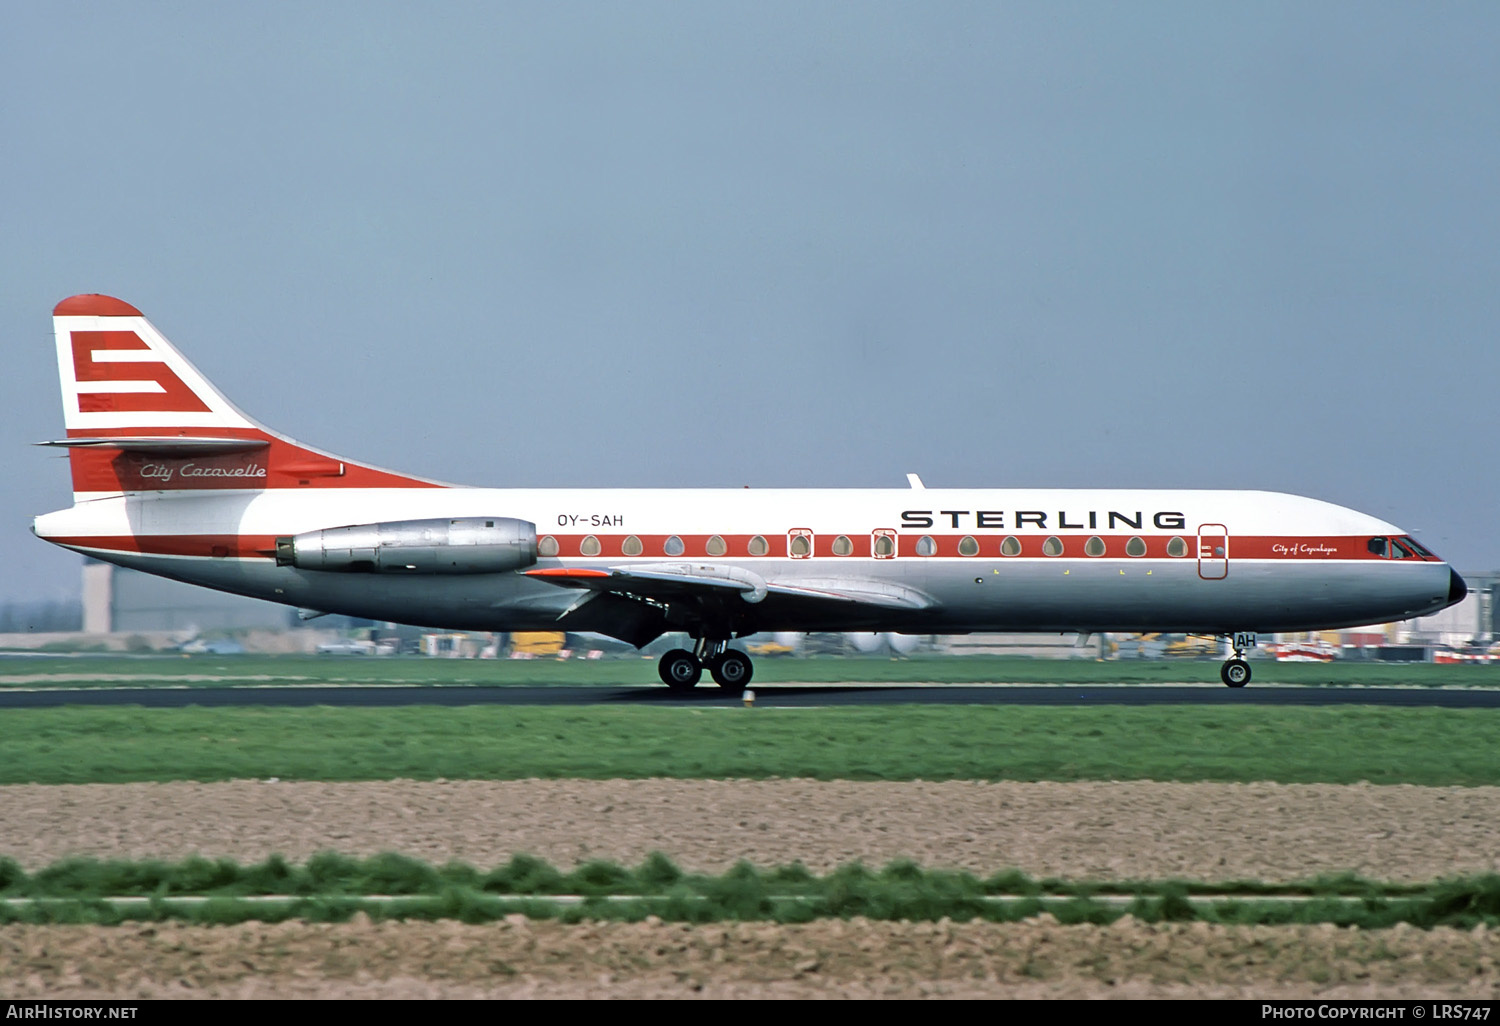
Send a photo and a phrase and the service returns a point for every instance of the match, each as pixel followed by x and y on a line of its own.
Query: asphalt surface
pixel 773 696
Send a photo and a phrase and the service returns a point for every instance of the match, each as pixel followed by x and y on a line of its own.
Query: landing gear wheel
pixel 731 670
pixel 679 670
pixel 1235 673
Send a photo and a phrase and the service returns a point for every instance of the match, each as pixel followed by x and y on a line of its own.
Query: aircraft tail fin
pixel 140 417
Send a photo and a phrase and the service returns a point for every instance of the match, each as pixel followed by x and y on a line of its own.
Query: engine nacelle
pixel 465 545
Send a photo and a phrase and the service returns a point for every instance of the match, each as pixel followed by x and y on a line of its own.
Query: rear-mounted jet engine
pixel 469 545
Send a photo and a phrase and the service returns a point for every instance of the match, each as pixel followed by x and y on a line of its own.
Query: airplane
pixel 170 478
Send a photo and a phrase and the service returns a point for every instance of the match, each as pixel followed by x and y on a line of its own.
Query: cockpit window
pixel 1399 548
pixel 1418 548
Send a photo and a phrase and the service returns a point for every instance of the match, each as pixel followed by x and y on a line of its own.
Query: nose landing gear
pixel 1236 672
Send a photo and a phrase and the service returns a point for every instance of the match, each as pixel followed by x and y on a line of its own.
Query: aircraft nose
pixel 1457 589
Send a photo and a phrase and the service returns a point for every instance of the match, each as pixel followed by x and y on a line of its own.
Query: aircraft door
pixel 1213 552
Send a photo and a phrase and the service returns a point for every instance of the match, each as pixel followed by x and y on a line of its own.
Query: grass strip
pixel 331 888
pixel 331 873
pixel 635 671
pixel 1433 747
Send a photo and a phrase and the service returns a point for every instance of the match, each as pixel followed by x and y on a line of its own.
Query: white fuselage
pixel 1252 561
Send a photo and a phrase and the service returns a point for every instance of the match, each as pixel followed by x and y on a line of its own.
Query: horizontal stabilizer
pixel 163 446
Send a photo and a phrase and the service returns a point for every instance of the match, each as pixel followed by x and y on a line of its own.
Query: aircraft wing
pixel 665 581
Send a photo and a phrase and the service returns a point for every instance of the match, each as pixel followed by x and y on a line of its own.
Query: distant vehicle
pixel 347 646
pixel 211 646
pixel 537 643
pixel 1312 651
pixel 169 477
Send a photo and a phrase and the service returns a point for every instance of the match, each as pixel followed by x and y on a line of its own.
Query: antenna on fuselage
pixel 915 482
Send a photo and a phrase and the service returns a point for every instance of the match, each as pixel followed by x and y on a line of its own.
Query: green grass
pixel 149 670
pixel 1437 747
pixel 332 887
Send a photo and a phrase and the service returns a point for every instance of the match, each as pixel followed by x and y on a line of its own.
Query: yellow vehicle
pixel 1191 645
pixel 537 643
pixel 1188 645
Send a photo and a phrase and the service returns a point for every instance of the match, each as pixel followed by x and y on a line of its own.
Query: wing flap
pixel 666 580
pixel 859 591
pixel 659 580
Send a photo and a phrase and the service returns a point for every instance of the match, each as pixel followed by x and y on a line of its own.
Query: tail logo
pixel 117 372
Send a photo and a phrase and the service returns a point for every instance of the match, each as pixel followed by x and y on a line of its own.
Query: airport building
pixel 121 601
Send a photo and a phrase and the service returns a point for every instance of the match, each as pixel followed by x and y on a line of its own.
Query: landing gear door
pixel 1213 552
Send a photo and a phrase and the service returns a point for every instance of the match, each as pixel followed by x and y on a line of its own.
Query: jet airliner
pixel 170 478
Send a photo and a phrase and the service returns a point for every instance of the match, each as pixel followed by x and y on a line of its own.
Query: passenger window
pixel 801 546
pixel 1010 547
pixel 759 546
pixel 1135 547
pixel 926 546
pixel 885 546
pixel 1052 547
pixel 1177 548
pixel 632 546
pixel 716 546
pixel 547 546
pixel 967 546
pixel 1376 546
pixel 589 546
pixel 1094 546
pixel 673 546
pixel 842 546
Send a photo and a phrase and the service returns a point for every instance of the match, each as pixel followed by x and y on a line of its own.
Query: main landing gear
pixel 681 670
pixel 1236 672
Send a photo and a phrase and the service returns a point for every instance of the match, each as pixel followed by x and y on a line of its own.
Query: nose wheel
pixel 681 670
pixel 1235 673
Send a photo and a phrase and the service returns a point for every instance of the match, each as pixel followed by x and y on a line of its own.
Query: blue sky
pixel 709 244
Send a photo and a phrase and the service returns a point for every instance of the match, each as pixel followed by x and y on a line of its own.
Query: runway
pixel 771 696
